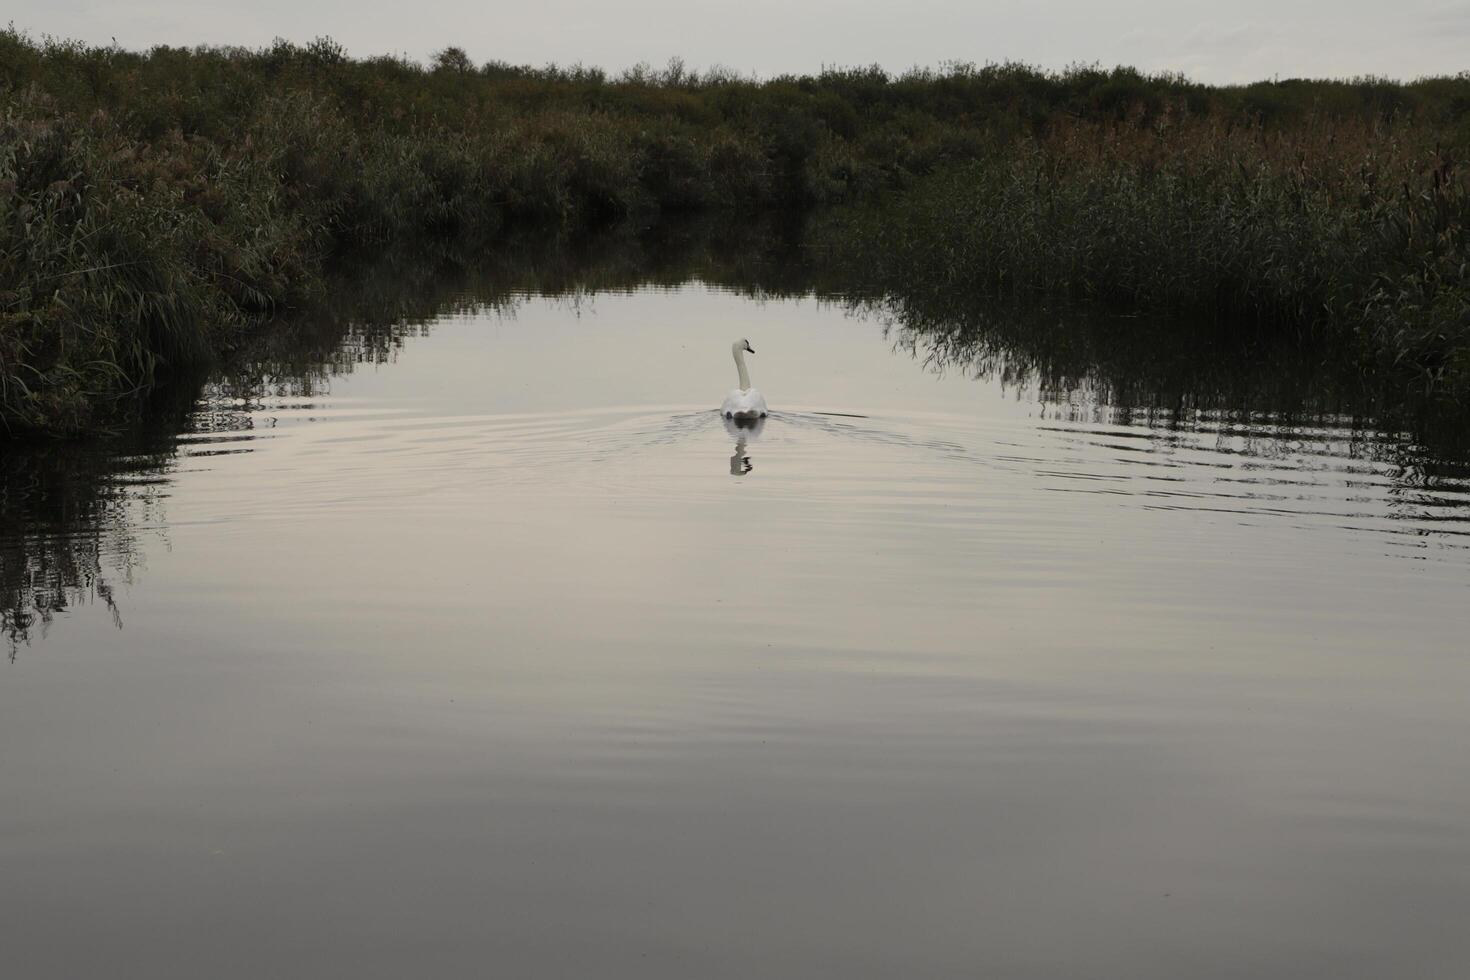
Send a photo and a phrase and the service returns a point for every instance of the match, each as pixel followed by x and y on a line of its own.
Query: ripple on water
pixel 928 468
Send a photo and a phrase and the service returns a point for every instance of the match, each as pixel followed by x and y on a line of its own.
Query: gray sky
pixel 1215 42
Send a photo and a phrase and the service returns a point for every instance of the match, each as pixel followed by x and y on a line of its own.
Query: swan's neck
pixel 740 366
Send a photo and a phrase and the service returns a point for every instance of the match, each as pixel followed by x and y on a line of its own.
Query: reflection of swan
pixel 743 402
pixel 740 463
pixel 743 430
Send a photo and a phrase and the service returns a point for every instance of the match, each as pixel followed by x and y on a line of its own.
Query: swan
pixel 744 402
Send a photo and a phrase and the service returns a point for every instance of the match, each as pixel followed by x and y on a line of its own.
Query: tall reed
pixel 153 206
pixel 1349 232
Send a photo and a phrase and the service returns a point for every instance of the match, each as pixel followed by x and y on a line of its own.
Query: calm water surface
pixel 492 650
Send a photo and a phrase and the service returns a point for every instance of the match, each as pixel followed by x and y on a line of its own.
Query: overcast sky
pixel 1216 42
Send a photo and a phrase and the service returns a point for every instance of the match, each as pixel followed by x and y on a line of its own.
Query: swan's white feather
pixel 744 404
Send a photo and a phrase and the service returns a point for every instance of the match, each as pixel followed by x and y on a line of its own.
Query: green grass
pixel 155 207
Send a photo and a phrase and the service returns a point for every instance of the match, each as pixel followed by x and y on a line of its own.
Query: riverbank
pixel 1342 238
pixel 156 209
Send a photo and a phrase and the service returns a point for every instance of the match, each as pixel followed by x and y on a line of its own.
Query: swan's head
pixel 742 345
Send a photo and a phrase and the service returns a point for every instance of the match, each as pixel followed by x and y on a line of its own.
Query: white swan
pixel 743 402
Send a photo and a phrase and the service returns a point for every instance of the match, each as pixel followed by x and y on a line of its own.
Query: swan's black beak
pixel 750 348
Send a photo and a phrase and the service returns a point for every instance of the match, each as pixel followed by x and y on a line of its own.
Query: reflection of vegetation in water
pixel 1072 356
pixel 1163 370
pixel 1197 385
pixel 71 516
pixel 374 306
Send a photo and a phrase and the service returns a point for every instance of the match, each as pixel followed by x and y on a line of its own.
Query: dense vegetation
pixel 152 205
pixel 1346 235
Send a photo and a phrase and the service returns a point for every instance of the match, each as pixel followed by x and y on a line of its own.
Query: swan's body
pixel 744 402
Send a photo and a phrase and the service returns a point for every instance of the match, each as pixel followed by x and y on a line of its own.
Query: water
pixel 486 646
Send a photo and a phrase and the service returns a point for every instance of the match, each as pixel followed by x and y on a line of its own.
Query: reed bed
pixel 1347 234
pixel 156 206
